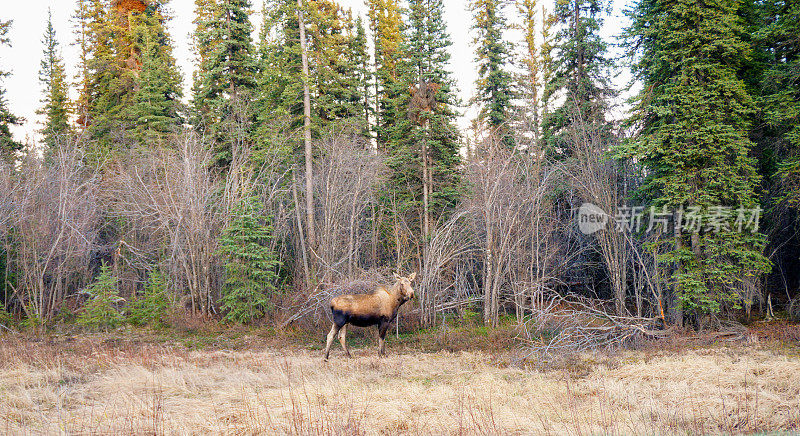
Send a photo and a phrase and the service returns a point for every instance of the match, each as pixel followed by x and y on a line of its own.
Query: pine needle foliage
pixel 250 264
pixel 100 311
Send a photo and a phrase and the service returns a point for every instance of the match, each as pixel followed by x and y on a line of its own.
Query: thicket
pixel 306 166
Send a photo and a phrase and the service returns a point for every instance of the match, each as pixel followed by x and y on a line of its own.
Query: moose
pixel 364 310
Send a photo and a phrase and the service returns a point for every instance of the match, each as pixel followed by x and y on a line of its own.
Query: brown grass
pixel 95 386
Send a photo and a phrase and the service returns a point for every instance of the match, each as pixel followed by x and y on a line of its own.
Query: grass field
pixel 102 384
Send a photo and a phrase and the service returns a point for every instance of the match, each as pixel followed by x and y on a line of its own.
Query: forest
pixel 323 154
pixel 610 246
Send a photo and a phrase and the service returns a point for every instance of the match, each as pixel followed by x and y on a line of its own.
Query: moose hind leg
pixel 331 336
pixel 343 340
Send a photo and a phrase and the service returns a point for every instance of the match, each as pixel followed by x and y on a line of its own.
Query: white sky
pixel 22 59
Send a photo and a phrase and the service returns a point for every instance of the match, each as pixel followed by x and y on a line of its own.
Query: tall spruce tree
pixel 423 143
pixel 55 101
pixel 155 112
pixel 530 79
pixel 385 22
pixel 7 143
pixel 336 90
pixel 279 108
pixel 495 84
pixel 363 75
pixel 779 88
pixel 81 27
pixel 580 73
pixel 203 44
pixel 225 82
pixel 694 117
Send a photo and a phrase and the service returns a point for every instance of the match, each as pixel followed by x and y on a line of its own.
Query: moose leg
pixel 331 336
pixel 342 334
pixel 382 329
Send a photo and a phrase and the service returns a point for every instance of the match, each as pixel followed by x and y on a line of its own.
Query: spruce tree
pixel 423 143
pixel 579 78
pixel 203 43
pixel 363 75
pixel 226 78
pixel 110 89
pixel 334 70
pixel 694 117
pixel 55 103
pixel 81 24
pixel 494 84
pixel 250 265
pixel 278 105
pixel 7 144
pixel 779 88
pixel 155 112
pixel 530 79
pixel 385 22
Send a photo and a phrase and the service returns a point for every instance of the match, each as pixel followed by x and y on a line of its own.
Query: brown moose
pixel 363 310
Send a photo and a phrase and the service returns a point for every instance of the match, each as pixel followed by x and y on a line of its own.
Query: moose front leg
pixel 383 327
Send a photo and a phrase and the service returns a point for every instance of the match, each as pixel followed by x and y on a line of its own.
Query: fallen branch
pixel 579 324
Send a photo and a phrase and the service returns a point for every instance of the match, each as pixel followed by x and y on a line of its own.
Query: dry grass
pixel 92 386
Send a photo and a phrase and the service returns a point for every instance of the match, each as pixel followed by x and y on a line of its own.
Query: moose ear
pixel 412 277
pixel 397 277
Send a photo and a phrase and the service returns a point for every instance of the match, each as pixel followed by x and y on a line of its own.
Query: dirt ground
pixel 97 385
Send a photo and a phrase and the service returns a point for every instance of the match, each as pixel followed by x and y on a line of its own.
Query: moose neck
pixel 396 292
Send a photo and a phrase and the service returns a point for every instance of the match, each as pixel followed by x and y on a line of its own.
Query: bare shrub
pixel 502 242
pixel 52 221
pixel 347 178
pixel 173 200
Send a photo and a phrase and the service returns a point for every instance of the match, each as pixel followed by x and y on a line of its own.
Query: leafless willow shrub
pixel 502 243
pixel 346 180
pixel 53 223
pixel 178 205
pixel 347 177
pixel 449 263
pixel 597 179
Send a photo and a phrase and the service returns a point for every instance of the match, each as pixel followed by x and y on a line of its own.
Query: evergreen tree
pixel 100 311
pixel 385 21
pixel 694 114
pixel 53 77
pixel 226 78
pixel 579 72
pixel 336 90
pixel 7 144
pixel 494 84
pixel 338 72
pixel 530 78
pixel 155 111
pixel 110 90
pixel 279 106
pixel 546 65
pixel 152 306
pixel 779 87
pixel 81 23
pixel 251 266
pixel 363 75
pixel 203 43
pixel 423 143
